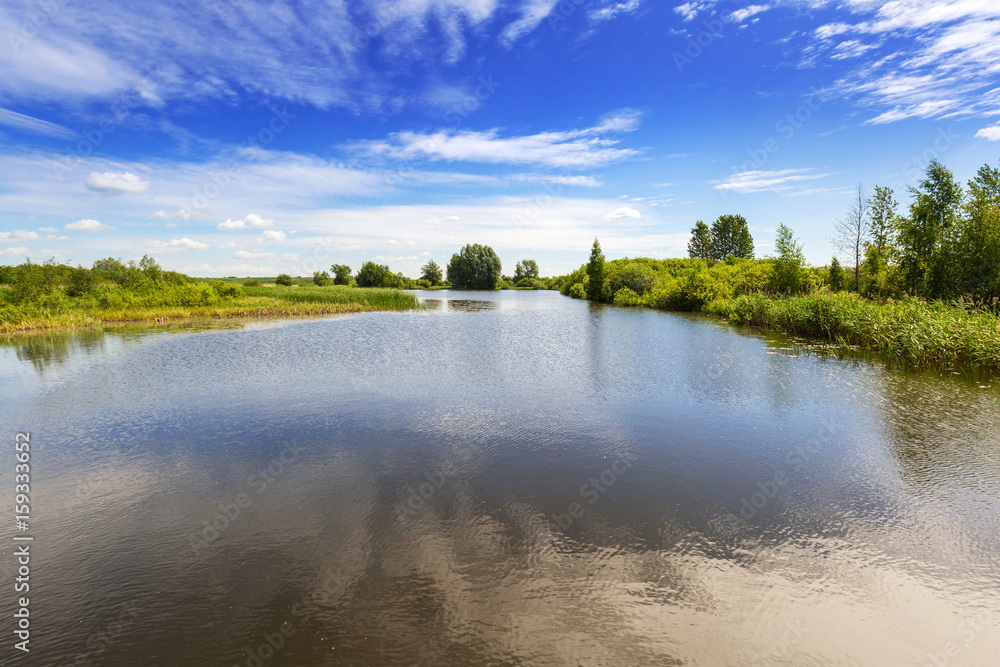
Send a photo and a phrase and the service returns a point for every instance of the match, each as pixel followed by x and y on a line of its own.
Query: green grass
pixel 919 334
pixel 165 305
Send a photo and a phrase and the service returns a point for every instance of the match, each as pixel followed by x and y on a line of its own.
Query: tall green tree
pixel 321 278
pixel 595 273
pixel 431 272
pixel 980 236
pixel 375 275
pixel 526 268
pixel 926 237
pixel 341 274
pixel 475 267
pixel 788 261
pixel 836 275
pixel 881 247
pixel 700 245
pixel 731 236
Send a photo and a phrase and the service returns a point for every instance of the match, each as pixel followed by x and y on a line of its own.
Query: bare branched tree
pixel 851 233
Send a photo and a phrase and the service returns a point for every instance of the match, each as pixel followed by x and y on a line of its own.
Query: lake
pixel 509 478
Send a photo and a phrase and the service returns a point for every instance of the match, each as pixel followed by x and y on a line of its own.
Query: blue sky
pixel 251 138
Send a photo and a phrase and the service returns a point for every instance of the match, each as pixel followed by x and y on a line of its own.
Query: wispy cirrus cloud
pixel 766 181
pixel 943 58
pixel 589 147
pixel 34 125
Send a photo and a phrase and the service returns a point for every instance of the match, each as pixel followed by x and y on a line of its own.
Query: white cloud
pixel 48 230
pixel 989 133
pixel 111 182
pixel 246 254
pixel 176 245
pixel 18 235
pixel 272 235
pixel 251 221
pixel 533 12
pixel 35 125
pixel 87 225
pixel 181 213
pixel 623 212
pixel 763 181
pixel 589 147
pixel 741 15
pixel 12 252
pixel 613 10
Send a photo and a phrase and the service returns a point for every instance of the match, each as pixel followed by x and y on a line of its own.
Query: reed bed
pixel 252 302
pixel 920 334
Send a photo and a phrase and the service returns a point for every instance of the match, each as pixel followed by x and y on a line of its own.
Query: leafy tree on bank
pixel 731 236
pixel 788 262
pixel 526 268
pixel 926 237
pixel 475 267
pixel 341 274
pixel 321 278
pixel 836 275
pixel 283 279
pixel 881 248
pixel 851 233
pixel 375 275
pixel 700 245
pixel 431 272
pixel 979 244
pixel 595 273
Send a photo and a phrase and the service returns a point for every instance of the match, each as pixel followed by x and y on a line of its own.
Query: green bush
pixel 577 291
pixel 283 279
pixel 636 276
pixel 251 282
pixel 321 278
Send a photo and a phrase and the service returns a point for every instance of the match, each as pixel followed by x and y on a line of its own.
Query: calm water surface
pixel 509 478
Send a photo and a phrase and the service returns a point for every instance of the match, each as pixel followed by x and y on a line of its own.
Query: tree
pixel 526 268
pixel 321 278
pixel 700 245
pixel 375 275
pixel 851 233
pixel 926 236
pixel 980 235
pixel 880 249
pixel 283 279
pixel 731 236
pixel 341 274
pixel 788 261
pixel 836 275
pixel 595 273
pixel 475 267
pixel 431 272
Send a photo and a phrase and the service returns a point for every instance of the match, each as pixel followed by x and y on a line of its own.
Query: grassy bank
pixel 198 301
pixel 917 333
